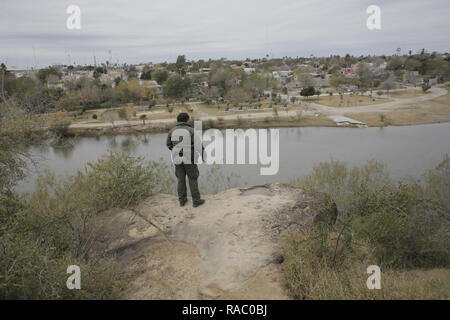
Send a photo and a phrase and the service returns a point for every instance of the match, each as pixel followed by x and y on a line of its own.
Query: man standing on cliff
pixel 180 142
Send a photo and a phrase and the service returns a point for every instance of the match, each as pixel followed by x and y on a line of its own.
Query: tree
pixel 177 87
pixel 44 74
pixel 237 95
pixel 117 81
pixel 307 92
pixel 256 84
pixel 365 77
pixel 143 117
pixel 130 112
pixel 181 65
pixel 348 60
pixel 426 87
pixel 388 84
pixel 146 73
pixel 160 76
pixel 131 72
pixel 396 63
pixel 224 78
pixel 18 129
pixel 305 79
pixel 4 73
pixel 336 81
pixel 151 103
pixel 136 92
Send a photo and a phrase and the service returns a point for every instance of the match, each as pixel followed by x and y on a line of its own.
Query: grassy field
pixel 432 111
pixel 348 101
pixel 407 94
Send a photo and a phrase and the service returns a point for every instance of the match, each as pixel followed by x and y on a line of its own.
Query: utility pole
pixel 35 61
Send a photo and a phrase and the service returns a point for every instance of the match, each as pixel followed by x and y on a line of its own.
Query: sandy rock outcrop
pixel 228 248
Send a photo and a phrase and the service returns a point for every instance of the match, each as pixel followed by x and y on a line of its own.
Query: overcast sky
pixel 34 32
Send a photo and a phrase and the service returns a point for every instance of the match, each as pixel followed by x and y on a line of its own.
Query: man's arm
pixel 169 142
pixel 197 140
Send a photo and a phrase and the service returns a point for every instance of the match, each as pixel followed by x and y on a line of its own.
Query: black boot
pixel 198 203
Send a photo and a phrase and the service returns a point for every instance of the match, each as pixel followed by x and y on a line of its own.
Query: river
pixel 407 151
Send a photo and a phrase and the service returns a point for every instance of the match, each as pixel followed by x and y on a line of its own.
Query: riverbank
pixel 165 126
pixel 433 107
pixel 371 119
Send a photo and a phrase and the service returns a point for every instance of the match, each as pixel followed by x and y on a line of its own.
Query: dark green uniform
pixel 182 170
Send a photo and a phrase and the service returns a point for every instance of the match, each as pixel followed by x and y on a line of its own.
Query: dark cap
pixel 183 117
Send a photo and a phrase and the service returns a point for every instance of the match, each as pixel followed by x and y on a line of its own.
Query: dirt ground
pixel 229 248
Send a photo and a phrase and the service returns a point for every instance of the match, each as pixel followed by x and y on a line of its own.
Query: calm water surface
pixel 407 151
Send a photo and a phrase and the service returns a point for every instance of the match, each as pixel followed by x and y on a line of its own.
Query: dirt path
pixel 228 248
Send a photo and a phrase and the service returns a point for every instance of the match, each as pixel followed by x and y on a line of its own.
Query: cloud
pixel 158 30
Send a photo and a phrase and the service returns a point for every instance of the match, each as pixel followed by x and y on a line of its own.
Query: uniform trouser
pixel 191 171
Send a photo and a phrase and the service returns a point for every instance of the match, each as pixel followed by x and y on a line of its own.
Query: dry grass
pixel 310 278
pixel 407 94
pixel 349 101
pixel 219 110
pixel 275 122
pixel 433 111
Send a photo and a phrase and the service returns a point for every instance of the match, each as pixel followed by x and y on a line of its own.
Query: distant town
pixel 305 87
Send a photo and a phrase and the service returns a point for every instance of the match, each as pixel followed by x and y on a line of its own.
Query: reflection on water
pixel 407 151
pixel 129 144
pixel 64 148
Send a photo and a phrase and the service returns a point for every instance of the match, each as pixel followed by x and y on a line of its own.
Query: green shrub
pixel 391 224
pixel 45 232
pixel 403 223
